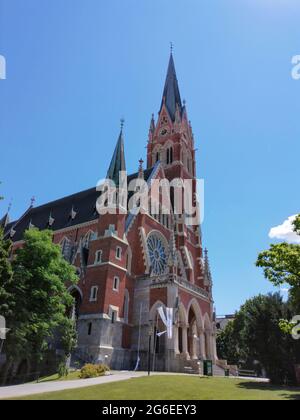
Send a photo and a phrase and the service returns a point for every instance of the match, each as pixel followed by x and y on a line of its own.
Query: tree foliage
pixel 41 300
pixel 297 225
pixel 255 337
pixel 281 265
pixel 6 277
pixel 227 345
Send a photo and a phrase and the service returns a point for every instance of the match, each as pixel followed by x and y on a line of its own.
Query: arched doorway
pixel 192 335
pixel 76 293
pixel 181 331
pixel 207 337
pixel 158 339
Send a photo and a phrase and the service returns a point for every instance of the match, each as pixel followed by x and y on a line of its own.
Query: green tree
pixel 297 224
pixel 42 302
pixel 260 338
pixel 6 277
pixel 281 265
pixel 227 345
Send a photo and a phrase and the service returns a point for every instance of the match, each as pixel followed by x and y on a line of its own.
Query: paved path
pixel 40 388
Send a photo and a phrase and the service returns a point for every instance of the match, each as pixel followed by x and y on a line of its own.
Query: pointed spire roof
pixel 171 94
pixel 152 124
pixel 207 271
pixel 118 160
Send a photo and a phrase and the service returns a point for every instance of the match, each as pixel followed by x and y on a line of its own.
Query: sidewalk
pixel 39 388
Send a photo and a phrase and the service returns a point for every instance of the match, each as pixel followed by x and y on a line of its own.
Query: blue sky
pixel 74 67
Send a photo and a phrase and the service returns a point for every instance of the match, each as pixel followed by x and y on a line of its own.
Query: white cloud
pixel 285 232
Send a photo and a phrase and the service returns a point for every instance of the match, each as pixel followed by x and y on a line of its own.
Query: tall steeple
pixel 5 219
pixel 171 95
pixel 118 163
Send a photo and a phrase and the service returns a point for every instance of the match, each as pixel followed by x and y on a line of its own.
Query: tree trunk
pixel 6 372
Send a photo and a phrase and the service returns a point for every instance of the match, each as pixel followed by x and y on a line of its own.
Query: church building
pixel 132 264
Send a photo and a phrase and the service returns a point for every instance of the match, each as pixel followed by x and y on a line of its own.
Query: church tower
pixel 171 138
pixel 171 142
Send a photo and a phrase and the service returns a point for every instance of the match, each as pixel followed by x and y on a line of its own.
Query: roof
pixel 117 164
pixel 171 94
pixel 81 205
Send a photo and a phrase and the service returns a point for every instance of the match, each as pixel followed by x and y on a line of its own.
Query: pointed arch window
pixel 66 248
pixel 98 257
pixel 169 155
pixel 116 284
pixel 94 294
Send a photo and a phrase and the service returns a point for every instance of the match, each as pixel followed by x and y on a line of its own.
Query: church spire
pixel 171 95
pixel 117 164
pixel 207 272
pixel 5 219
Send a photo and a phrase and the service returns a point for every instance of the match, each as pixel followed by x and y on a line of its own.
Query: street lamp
pixel 149 348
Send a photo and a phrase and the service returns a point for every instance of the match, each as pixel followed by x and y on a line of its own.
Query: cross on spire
pixel 32 201
pixel 171 94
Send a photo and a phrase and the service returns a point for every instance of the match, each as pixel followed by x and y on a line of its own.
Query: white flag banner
pixel 170 322
pixel 162 315
pixel 137 364
pixel 167 320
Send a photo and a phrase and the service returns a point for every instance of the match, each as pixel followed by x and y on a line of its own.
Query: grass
pixel 52 378
pixel 176 388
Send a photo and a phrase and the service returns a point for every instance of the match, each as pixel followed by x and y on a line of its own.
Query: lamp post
pixel 149 348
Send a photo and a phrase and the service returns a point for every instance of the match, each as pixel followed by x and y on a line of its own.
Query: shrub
pixel 63 371
pixel 93 371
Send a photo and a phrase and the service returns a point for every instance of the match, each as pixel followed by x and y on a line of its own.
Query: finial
pixel 32 201
pixel 122 123
pixel 141 169
pixel 9 206
pixel 141 162
pixel 171 47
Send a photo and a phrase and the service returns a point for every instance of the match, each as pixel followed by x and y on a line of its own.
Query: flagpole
pixel 155 342
pixel 139 338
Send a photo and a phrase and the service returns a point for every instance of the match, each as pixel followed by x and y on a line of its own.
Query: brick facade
pixel 118 293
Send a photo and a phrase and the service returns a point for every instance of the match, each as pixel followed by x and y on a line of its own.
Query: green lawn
pixel 176 388
pixel 71 377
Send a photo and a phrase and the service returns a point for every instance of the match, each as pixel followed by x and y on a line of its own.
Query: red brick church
pixel 131 264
